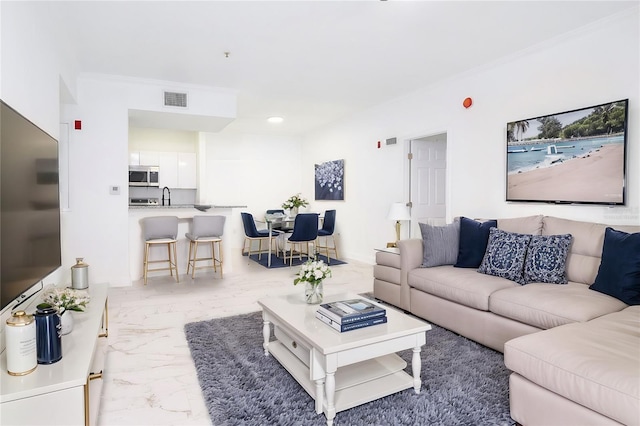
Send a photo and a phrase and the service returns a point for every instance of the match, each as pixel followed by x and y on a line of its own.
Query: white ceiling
pixel 312 62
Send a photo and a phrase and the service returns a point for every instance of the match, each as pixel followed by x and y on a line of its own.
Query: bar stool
pixel 205 229
pixel 160 230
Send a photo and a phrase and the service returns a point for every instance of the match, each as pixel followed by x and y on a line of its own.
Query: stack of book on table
pixel 351 314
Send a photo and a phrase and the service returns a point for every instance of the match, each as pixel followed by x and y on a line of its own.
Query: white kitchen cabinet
pixel 68 391
pixel 134 158
pixel 187 166
pixel 177 169
pixel 168 162
pixel 149 158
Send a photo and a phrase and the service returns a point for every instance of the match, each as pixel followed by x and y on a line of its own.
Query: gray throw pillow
pixel 505 255
pixel 440 244
pixel 546 259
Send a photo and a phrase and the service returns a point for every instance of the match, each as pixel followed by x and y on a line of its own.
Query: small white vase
pixel 66 323
pixel 313 293
pixel 293 212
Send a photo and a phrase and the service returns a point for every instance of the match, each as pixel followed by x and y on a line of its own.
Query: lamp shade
pixel 399 211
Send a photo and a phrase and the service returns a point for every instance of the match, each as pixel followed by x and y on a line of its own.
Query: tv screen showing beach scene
pixel 575 156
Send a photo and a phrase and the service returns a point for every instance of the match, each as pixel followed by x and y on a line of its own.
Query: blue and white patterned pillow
pixel 546 259
pixel 505 255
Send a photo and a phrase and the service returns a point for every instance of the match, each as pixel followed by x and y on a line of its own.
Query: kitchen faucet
pixel 168 198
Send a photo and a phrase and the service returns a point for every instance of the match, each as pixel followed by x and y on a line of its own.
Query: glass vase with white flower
pixel 313 273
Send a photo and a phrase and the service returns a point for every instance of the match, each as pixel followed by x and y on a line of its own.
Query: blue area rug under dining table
pixel 278 262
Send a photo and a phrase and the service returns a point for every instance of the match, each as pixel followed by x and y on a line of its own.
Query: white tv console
pixel 67 392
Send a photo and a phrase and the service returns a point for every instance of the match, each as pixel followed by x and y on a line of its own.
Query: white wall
pixel 143 139
pixel 34 71
pixel 260 172
pixel 595 65
pixel 33 65
pixel 98 159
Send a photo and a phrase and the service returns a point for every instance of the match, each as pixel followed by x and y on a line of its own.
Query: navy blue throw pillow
pixel 473 242
pixel 619 272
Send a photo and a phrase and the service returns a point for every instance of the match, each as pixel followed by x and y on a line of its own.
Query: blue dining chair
pixel 251 234
pixel 305 230
pixel 328 228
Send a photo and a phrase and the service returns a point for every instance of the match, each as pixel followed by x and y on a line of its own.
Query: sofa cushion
pixel 387 258
pixel 440 244
pixel 461 285
pixel 473 242
pixel 505 255
pixel 586 249
pixel 387 273
pixel 619 272
pixel 546 259
pixel 594 364
pixel 584 256
pixel 522 225
pixel 548 305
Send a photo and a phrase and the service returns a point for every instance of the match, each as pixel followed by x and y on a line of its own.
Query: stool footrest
pixel 193 256
pixel 171 258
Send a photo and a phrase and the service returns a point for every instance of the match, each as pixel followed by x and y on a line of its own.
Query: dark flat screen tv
pixel 572 157
pixel 30 207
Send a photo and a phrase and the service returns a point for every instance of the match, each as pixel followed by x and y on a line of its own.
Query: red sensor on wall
pixel 467 102
pixel 78 125
pixel 378 144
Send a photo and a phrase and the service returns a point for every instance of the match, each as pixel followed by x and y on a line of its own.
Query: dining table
pixel 270 220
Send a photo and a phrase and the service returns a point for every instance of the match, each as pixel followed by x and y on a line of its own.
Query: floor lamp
pixel 398 212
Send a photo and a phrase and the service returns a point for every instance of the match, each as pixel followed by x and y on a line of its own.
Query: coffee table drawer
pixel 299 350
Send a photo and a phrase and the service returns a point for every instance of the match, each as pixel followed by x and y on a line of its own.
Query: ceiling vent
pixel 175 99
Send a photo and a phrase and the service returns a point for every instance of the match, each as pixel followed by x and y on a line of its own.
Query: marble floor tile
pixel 149 376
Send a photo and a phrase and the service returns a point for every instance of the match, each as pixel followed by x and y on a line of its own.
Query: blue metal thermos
pixel 48 341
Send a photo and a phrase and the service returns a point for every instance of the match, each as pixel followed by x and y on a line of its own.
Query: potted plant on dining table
pixel 294 203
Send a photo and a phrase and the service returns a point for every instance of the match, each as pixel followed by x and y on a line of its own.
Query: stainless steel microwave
pixel 144 175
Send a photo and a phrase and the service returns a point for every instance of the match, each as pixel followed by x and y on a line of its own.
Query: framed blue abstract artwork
pixel 330 180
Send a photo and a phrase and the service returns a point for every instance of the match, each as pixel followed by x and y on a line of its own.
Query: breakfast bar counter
pixel 200 207
pixel 185 214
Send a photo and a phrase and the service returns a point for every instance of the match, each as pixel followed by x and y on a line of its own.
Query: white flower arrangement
pixel 295 201
pixel 66 299
pixel 313 272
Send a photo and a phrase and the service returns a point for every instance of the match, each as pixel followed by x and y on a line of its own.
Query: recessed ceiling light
pixel 275 119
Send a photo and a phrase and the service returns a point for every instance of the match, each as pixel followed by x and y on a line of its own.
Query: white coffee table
pixel 342 370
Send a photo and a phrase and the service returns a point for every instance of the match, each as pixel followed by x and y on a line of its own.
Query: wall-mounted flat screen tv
pixel 576 156
pixel 29 206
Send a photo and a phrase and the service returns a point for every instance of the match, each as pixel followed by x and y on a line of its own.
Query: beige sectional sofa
pixel 574 351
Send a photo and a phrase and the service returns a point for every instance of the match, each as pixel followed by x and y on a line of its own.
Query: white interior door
pixel 428 181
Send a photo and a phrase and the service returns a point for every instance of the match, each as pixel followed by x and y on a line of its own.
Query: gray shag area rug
pixel 463 383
